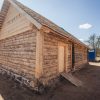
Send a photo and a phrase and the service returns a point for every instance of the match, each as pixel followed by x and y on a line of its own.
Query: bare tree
pixel 98 46
pixel 92 41
pixel 98 42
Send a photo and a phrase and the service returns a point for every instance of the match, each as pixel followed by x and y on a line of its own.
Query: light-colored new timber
pixel 75 81
pixel 66 57
pixel 14 23
pixel 37 24
pixel 61 58
pixel 39 55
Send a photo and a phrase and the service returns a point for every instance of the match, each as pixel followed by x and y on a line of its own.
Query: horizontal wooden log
pixel 18 53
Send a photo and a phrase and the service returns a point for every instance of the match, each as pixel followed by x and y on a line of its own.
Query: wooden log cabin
pixel 33 49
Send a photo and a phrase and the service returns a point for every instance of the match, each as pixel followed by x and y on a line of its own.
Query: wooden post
pixel 73 55
pixel 39 55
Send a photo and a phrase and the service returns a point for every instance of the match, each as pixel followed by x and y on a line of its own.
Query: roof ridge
pixel 18 3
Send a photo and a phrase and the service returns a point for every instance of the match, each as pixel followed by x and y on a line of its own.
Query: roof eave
pixel 3 12
pixel 65 35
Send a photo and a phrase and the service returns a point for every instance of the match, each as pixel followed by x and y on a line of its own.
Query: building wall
pixel 18 46
pixel 14 23
pixel 50 56
pixel 18 54
pixel 80 55
pixel 69 61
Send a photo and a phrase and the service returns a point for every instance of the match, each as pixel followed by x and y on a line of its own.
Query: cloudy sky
pixel 79 17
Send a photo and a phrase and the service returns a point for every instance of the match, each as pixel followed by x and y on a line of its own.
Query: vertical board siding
pixel 18 53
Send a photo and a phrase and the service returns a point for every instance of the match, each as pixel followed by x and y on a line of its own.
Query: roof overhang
pixel 73 40
pixel 3 12
pixel 5 8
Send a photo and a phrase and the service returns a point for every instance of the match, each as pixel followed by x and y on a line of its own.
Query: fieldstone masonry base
pixel 20 79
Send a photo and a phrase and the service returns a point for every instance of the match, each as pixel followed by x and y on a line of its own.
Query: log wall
pixel 69 61
pixel 18 54
pixel 50 56
pixel 80 55
pixel 14 23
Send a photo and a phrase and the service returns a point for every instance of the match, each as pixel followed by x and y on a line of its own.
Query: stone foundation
pixel 20 79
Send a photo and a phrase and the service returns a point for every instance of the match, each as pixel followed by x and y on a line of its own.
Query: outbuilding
pixel 33 49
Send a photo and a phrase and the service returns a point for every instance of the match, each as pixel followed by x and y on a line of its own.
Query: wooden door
pixel 61 58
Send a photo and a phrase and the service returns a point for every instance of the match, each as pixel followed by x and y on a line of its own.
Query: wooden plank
pixel 75 81
pixel 39 55
pixel 18 54
pixel 16 21
pixel 61 58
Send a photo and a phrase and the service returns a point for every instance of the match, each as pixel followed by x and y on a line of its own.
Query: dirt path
pixel 90 75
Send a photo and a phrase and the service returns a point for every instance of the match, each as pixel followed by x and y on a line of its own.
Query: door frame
pixel 65 54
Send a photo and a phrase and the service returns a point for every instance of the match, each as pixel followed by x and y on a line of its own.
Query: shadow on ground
pixel 90 76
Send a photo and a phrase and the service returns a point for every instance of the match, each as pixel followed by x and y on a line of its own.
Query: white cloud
pixel 81 40
pixel 85 26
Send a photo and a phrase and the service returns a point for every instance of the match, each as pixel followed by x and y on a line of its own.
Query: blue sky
pixel 79 17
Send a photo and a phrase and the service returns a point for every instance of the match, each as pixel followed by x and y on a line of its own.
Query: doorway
pixel 61 58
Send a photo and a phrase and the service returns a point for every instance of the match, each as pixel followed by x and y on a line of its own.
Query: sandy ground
pixel 90 76
pixel 97 58
pixel 94 64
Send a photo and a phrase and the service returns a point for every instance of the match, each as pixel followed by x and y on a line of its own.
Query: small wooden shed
pixel 34 49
